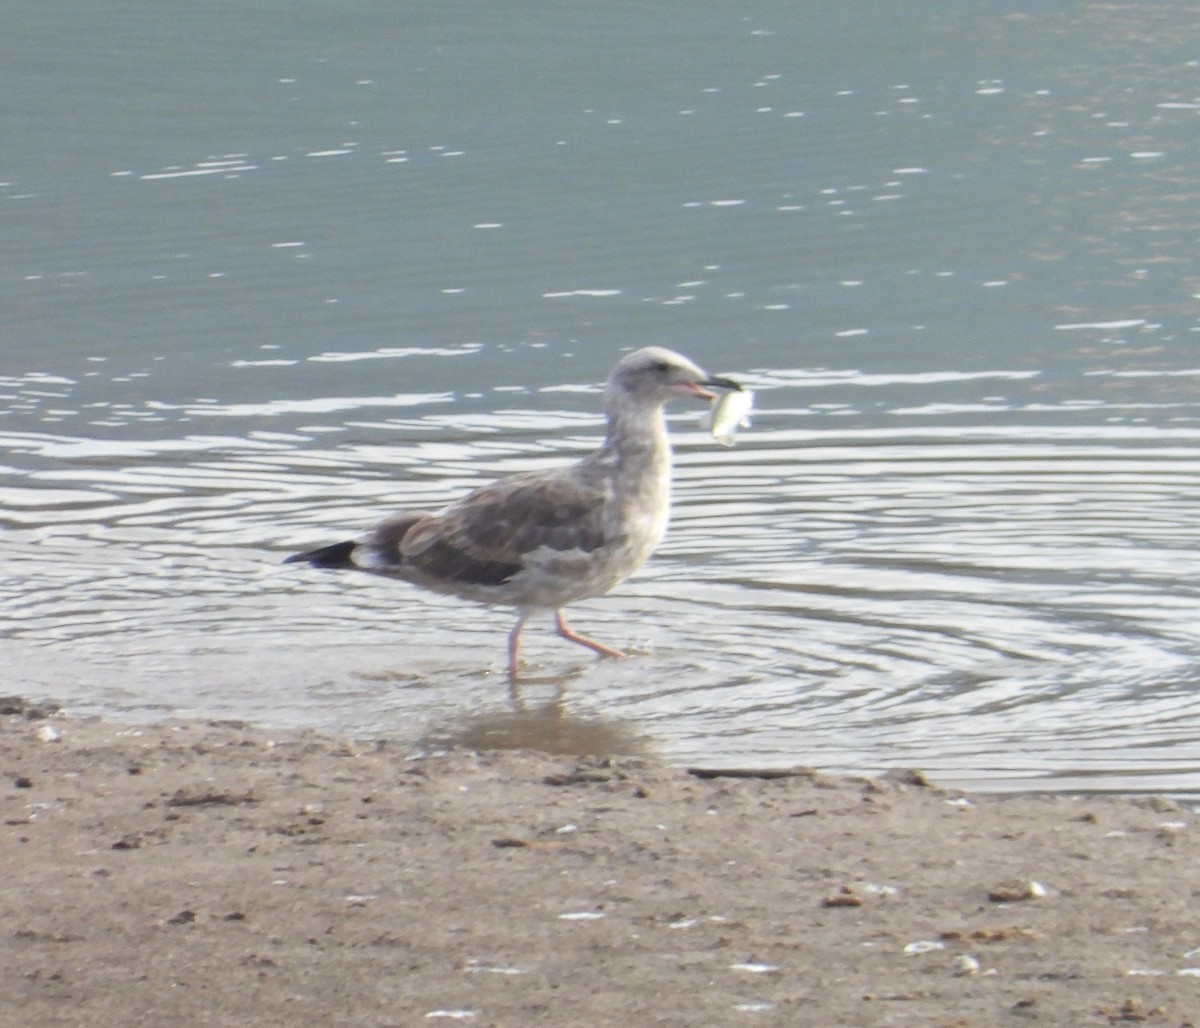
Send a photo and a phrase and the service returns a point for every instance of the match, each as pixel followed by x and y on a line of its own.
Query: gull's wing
pixel 489 535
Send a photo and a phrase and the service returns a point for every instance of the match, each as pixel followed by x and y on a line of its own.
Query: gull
pixel 541 540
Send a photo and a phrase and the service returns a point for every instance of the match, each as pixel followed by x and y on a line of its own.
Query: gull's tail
pixel 335 556
pixel 379 550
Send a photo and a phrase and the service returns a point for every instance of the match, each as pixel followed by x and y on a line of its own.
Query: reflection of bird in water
pixel 540 540
pixel 547 729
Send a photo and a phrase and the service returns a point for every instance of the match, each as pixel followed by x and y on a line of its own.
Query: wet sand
pixel 218 874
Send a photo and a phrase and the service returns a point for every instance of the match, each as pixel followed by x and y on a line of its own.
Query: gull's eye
pixel 662 367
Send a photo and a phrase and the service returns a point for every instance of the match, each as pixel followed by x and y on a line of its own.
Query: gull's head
pixel 651 376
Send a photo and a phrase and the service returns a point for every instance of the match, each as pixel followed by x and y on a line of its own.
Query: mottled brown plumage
pixel 544 539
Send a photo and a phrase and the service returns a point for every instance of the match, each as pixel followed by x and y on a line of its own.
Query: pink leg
pixel 567 632
pixel 514 647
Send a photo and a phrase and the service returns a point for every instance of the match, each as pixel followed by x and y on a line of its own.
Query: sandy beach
pixel 220 874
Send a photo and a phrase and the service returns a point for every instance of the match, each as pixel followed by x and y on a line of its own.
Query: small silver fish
pixel 729 413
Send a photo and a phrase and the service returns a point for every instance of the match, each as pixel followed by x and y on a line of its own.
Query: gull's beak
pixel 699 389
pixel 723 383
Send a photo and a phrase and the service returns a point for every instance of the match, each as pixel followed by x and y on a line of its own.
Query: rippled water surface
pixel 265 282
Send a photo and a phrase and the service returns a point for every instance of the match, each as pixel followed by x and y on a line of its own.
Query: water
pixel 272 270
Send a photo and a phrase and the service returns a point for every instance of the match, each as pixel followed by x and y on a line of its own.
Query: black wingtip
pixel 335 556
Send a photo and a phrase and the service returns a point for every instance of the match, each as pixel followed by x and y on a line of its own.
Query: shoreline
pixel 217 873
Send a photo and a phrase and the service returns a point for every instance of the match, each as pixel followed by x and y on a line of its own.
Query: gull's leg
pixel 514 646
pixel 567 632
